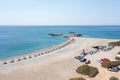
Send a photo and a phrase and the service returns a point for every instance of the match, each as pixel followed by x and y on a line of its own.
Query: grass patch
pixel 113 78
pixel 78 78
pixel 115 43
pixel 87 70
pixel 110 64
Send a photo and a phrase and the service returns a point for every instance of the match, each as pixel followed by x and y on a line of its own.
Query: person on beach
pixel 83 50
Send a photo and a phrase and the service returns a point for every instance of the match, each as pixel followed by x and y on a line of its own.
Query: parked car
pixel 99 61
pixel 87 62
pixel 82 55
pixel 101 47
pixel 83 60
pixel 77 57
pixel 110 47
pixel 114 69
pixel 118 67
pixel 105 60
pixel 117 57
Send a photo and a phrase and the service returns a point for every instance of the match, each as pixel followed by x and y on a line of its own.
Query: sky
pixel 59 12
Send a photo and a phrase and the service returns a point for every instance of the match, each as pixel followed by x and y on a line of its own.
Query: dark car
pixel 83 60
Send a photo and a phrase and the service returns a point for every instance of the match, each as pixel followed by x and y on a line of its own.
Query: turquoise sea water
pixel 18 40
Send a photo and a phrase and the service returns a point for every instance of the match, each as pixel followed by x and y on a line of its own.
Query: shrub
pixel 79 78
pixel 83 69
pixel 87 70
pixel 113 78
pixel 115 43
pixel 110 64
pixel 93 72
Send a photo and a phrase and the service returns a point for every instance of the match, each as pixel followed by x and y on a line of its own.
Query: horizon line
pixel 59 25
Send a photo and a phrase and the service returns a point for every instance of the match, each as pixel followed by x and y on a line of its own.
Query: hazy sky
pixel 59 12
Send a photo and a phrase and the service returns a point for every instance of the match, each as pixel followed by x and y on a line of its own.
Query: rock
pixel 55 34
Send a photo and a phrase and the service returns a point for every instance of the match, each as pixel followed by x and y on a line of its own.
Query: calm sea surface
pixel 20 40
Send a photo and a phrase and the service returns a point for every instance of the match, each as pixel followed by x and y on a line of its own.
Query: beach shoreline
pixel 51 47
pixel 61 58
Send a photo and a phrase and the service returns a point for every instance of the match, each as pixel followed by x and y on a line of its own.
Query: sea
pixel 19 40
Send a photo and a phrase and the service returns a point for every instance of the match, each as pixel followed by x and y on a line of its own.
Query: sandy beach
pixel 60 64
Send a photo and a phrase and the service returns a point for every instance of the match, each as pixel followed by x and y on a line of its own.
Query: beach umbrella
pixel 12 60
pixel 24 58
pixel 42 53
pixel 5 62
pixel 38 54
pixel 35 55
pixel 30 56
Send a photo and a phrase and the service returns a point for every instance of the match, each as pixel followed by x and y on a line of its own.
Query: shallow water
pixel 17 40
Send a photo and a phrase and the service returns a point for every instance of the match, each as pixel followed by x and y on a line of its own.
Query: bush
pixel 110 64
pixel 93 72
pixel 79 78
pixel 113 78
pixel 83 69
pixel 115 43
pixel 87 70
